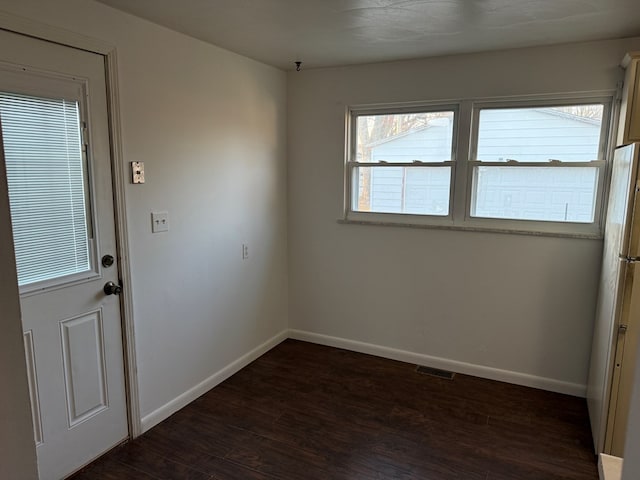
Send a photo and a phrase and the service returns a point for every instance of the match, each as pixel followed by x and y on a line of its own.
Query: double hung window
pixel 524 165
pixel 403 162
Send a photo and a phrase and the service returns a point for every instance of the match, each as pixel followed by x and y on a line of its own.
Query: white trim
pixel 42 31
pixel 31 28
pixel 491 373
pixel 122 236
pixel 479 229
pixel 152 419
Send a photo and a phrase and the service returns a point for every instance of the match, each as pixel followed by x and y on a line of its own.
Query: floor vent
pixel 435 372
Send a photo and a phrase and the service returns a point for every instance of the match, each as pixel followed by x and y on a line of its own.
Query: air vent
pixel 435 372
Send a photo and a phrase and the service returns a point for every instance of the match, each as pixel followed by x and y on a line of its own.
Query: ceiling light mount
pixel 298 65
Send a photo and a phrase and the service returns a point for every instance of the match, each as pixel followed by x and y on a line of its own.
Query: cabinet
pixel 629 128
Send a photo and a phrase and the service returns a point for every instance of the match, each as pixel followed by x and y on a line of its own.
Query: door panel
pixel 73 334
pixel 36 418
pixel 84 367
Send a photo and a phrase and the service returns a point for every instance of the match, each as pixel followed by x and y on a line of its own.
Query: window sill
pixel 471 228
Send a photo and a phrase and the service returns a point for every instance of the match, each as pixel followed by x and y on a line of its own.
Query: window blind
pixel 46 176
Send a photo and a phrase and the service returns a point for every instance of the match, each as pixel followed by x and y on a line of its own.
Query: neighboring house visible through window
pixel 405 162
pixel 532 166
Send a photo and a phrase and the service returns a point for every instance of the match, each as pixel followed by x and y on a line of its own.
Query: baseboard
pixel 491 373
pixel 152 419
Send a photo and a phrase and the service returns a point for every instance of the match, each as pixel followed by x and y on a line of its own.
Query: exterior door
pixel 55 138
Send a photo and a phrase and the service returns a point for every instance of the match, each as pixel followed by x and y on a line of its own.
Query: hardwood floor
pixel 304 412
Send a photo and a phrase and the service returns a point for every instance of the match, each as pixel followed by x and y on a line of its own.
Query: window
pixel 533 166
pixel 538 163
pixel 402 162
pixel 46 176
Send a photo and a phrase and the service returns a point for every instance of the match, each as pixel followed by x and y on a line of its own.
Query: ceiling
pixel 325 33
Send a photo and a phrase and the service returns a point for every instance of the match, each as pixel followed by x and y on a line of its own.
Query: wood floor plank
pixel 304 411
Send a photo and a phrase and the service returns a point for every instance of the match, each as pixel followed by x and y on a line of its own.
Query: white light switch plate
pixel 159 222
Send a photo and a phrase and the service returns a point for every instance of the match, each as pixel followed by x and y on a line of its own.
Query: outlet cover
pixel 159 222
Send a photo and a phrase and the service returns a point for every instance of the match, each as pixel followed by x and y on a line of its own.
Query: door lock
pixel 111 288
pixel 622 329
pixel 107 261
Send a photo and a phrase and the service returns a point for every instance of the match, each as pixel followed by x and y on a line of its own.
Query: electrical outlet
pixel 159 222
pixel 245 251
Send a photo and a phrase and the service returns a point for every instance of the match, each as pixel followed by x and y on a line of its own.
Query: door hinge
pixel 628 259
pixel 622 329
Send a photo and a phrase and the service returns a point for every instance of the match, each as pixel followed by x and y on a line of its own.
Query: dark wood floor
pixel 305 412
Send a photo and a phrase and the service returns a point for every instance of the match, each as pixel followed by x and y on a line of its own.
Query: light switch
pixel 137 172
pixel 159 222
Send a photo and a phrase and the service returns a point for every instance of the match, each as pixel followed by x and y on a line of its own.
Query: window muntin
pixel 539 163
pixel 401 162
pixel 565 185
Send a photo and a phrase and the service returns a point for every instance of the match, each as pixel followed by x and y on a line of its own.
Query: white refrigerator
pixel 615 339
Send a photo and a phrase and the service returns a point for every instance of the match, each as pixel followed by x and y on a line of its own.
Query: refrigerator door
pixel 617 243
pixel 627 325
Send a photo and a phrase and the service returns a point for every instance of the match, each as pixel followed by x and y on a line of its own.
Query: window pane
pixel 45 173
pixel 409 190
pixel 560 194
pixel 541 134
pixel 405 137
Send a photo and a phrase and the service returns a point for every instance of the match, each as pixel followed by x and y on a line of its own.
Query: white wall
pixel 523 304
pixel 210 127
pixel 17 449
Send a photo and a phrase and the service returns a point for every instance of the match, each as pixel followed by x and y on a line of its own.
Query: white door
pixel 55 138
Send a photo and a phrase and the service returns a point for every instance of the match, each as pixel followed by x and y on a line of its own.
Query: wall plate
pixel 159 222
pixel 137 172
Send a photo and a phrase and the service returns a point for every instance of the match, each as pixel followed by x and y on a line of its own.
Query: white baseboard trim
pixel 152 419
pixel 491 373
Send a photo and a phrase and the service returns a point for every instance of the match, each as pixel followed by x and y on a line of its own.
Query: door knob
pixel 111 288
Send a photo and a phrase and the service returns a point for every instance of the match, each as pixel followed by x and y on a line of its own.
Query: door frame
pixel 68 38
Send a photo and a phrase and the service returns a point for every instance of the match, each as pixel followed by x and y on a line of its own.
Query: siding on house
pixel 536 136
pixel 531 135
pixel 420 190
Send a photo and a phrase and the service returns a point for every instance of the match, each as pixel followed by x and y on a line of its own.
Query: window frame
pixel 464 154
pixel 59 86
pixel 351 166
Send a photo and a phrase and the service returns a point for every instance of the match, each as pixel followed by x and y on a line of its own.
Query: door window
pixel 46 173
